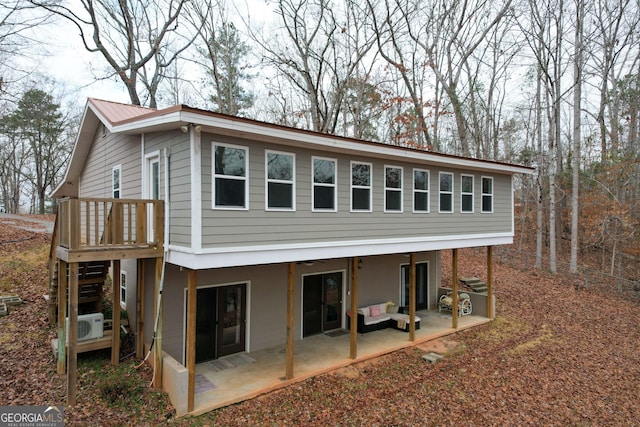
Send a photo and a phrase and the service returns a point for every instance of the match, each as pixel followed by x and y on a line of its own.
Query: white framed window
pixel 361 186
pixel 116 182
pixel 280 171
pixel 123 289
pixel 466 193
pixel 393 189
pixel 421 190
pixel 445 203
pixel 324 179
pixel 230 176
pixel 487 194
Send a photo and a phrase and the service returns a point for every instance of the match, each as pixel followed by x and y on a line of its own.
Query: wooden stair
pixel 91 279
pixel 474 283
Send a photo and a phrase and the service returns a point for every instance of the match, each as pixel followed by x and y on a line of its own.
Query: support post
pixel 74 224
pixel 115 337
pixel 157 354
pixel 140 309
pixel 290 316
pixel 490 282
pixel 353 319
pixel 412 297
pixel 192 293
pixel 454 290
pixel 62 316
pixel 72 357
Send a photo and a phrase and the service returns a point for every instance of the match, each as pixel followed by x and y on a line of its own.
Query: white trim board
pixel 272 254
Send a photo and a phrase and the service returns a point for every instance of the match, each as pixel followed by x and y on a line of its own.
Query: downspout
pixel 164 259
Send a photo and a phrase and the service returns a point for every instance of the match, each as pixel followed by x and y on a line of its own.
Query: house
pixel 230 236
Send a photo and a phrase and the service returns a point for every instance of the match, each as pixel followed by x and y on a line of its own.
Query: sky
pixel 71 64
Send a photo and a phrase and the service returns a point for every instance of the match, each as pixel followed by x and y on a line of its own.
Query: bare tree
pixel 544 28
pixel 616 24
pixel 139 39
pixel 318 48
pixel 223 55
pixel 17 19
pixel 450 33
pixel 406 61
pixel 15 154
pixel 577 134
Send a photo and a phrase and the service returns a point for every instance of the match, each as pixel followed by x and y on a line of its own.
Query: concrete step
pixel 479 287
pixel 432 358
pixel 11 300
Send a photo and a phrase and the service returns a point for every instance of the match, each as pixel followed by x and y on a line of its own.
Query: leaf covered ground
pixel 555 355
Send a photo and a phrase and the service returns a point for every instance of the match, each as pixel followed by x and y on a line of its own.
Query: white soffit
pixel 273 254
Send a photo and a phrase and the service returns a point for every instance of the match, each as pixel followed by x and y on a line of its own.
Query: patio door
pixel 220 321
pixel 321 303
pixel 422 285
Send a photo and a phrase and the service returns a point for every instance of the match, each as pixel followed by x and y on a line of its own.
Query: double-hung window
pixel 446 192
pixel 420 190
pixel 466 193
pixel 392 189
pixel 324 184
pixel 123 288
pixel 281 188
pixel 361 187
pixel 230 173
pixel 116 174
pixel 487 194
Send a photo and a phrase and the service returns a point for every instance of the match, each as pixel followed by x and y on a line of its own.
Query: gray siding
pixel 380 278
pixel 106 152
pixel 179 181
pixel 257 226
pixel 379 281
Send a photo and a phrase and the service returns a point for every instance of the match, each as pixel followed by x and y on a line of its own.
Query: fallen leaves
pixel 555 355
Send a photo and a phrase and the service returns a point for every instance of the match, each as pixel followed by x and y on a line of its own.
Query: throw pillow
pixel 374 310
pixel 392 309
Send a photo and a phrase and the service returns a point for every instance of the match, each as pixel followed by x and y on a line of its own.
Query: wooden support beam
pixel 74 224
pixel 192 292
pixel 490 282
pixel 454 290
pixel 290 316
pixel 353 319
pixel 157 354
pixel 72 356
pixel 140 309
pixel 141 222
pixel 412 297
pixel 115 337
pixel 62 315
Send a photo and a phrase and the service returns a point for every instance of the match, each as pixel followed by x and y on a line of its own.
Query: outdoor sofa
pixel 381 316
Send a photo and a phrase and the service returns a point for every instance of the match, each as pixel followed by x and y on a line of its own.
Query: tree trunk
pixel 575 164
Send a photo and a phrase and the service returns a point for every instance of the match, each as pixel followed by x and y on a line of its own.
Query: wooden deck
pixel 107 229
pixel 93 230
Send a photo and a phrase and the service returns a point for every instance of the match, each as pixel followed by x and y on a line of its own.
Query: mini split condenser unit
pixel 90 326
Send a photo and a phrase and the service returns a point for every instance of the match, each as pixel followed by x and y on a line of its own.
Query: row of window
pixel 230 177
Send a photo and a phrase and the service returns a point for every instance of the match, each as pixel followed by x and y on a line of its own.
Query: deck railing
pixel 102 224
